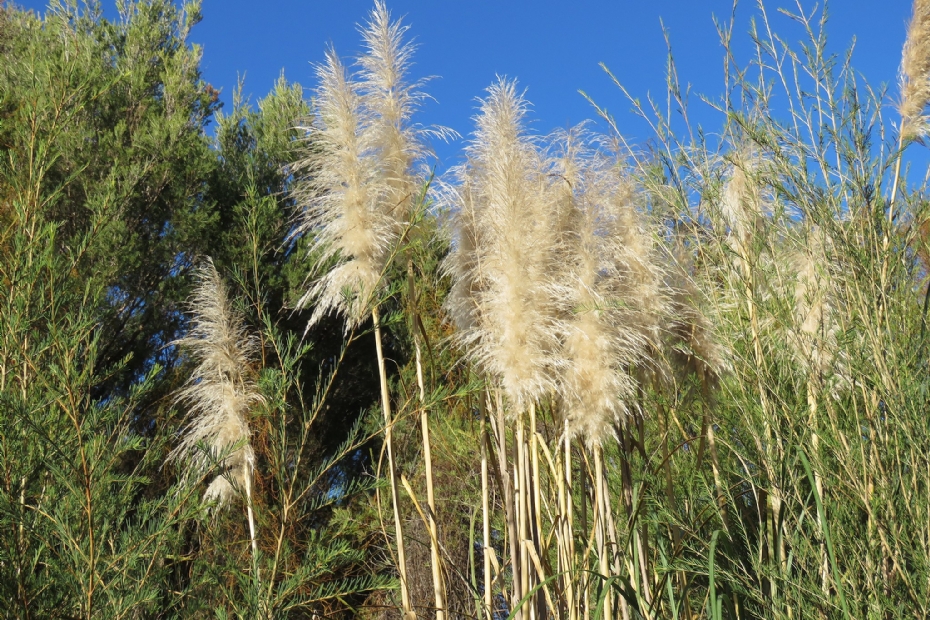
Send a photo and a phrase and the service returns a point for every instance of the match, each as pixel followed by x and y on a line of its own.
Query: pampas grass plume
pixel 814 341
pixel 341 200
pixel 462 264
pixel 915 73
pixel 391 102
pixel 505 270
pixel 741 203
pixel 220 391
pixel 359 190
pixel 609 289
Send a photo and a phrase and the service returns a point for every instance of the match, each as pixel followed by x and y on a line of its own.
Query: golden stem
pixel 388 434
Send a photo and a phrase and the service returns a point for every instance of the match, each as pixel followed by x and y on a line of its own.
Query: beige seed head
pixel 741 203
pixel 341 200
pixel 220 391
pixel 914 75
pixel 359 185
pixel 504 253
pixel 814 333
pixel 391 102
pixel 609 290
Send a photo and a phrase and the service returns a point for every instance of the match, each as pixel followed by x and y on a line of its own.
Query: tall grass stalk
pixel 435 559
pixel 360 207
pixel 486 509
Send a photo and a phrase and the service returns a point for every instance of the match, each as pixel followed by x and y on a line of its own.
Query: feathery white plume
pixel 814 337
pixel 391 102
pixel 220 391
pixel 914 75
pixel 342 200
pixel 461 264
pixel 504 252
pixel 610 290
pixel 741 203
pixel 358 197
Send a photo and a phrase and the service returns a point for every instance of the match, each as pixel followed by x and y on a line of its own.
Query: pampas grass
pixel 359 195
pixel 914 76
pixel 220 390
pixel 396 142
pixel 503 257
pixel 219 394
pixel 814 341
pixel 342 200
pixel 359 188
pixel 504 299
pixel 599 293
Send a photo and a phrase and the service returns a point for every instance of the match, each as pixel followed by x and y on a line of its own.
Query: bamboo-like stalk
pixel 509 493
pixel 435 558
pixel 389 443
pixel 601 525
pixel 567 547
pixel 815 349
pixel 535 483
pixel 584 596
pixel 519 475
pixel 247 474
pixel 486 511
pixel 438 588
pixel 561 529
pixel 626 483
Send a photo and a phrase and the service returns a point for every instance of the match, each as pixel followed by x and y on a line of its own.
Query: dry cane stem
pixel 568 542
pixel 535 482
pixel 438 589
pixel 601 525
pixel 561 529
pixel 519 475
pixel 485 512
pixel 248 508
pixel 509 497
pixel 585 471
pixel 610 527
pixel 388 424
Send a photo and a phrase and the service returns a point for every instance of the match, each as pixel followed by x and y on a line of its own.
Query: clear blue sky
pixel 552 48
